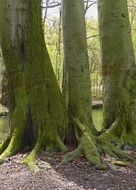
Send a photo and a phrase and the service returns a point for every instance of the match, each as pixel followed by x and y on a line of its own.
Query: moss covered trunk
pixel 76 62
pixel 79 85
pixel 36 108
pixel 119 71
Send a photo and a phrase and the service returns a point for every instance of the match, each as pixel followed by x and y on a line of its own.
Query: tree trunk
pixel 79 85
pixel 37 113
pixel 119 72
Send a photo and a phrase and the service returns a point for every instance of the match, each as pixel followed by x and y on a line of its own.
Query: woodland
pixel 59 66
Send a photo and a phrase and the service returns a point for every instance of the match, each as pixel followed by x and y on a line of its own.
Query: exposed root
pixel 87 147
pixel 91 147
pixel 52 145
pixel 113 151
pixel 113 134
pixel 4 144
pixel 13 147
pixel 120 133
pixel 62 147
pixel 120 163
pixel 72 155
pixel 30 160
pixel 14 144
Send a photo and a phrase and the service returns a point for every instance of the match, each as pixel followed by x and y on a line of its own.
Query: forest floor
pixel 77 175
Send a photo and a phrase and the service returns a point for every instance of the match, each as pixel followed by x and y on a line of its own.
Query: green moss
pixel 86 146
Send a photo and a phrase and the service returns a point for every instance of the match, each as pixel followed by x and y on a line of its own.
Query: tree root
pixel 87 147
pixel 30 161
pixel 11 147
pixel 111 150
pixel 4 144
pixel 118 134
pixel 91 147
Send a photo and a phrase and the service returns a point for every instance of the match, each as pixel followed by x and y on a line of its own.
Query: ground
pixel 78 175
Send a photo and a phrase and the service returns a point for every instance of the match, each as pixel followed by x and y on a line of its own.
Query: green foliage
pixel 94 58
pixel 53 38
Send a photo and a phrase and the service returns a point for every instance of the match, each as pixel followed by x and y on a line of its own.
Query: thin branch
pixel 96 35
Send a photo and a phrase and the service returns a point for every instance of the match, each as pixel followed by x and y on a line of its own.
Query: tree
pixel 119 72
pixel 76 66
pixel 36 108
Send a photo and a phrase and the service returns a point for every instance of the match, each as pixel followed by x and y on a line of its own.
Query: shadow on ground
pixel 77 175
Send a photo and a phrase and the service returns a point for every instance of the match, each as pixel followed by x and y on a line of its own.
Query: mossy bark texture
pixel 36 107
pixel 119 72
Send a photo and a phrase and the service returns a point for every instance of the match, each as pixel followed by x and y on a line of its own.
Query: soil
pixel 77 175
